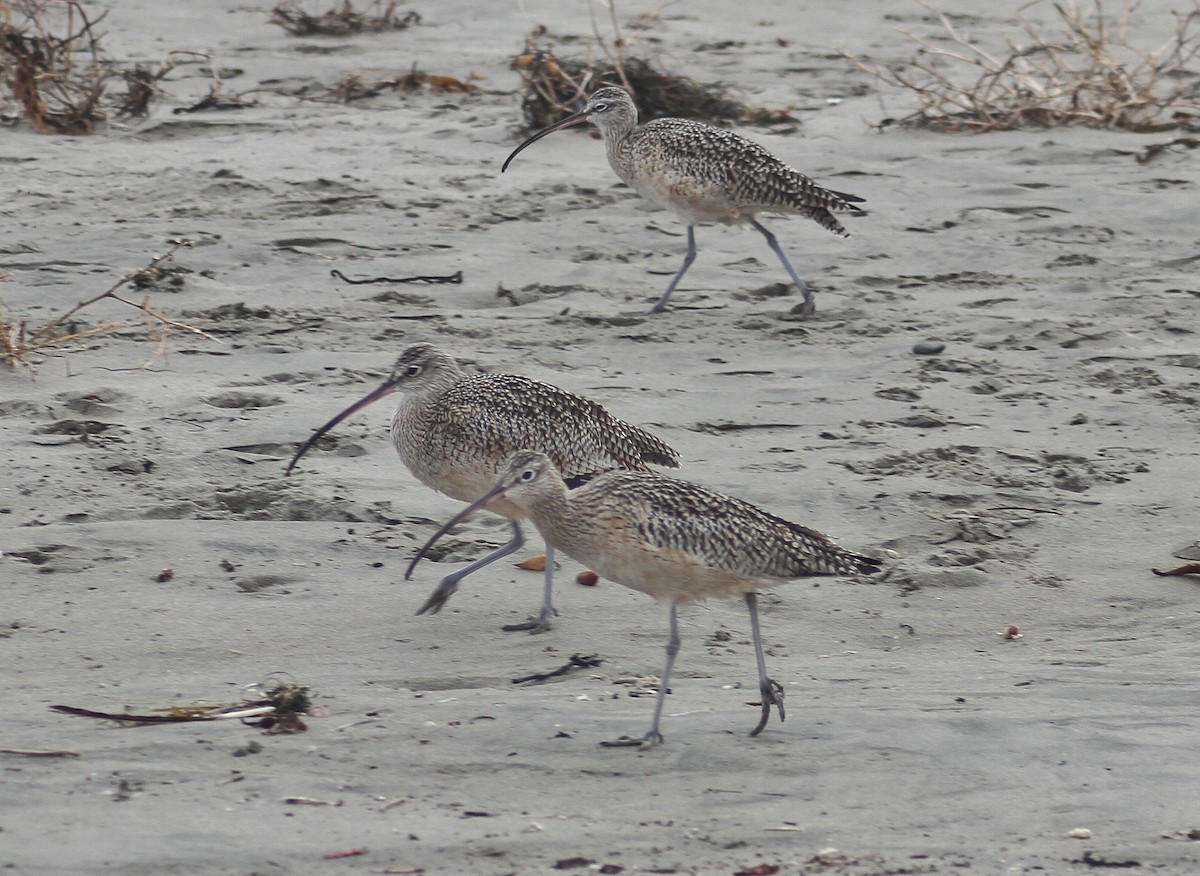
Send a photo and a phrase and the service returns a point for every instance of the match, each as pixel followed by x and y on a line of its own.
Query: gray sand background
pixel 1031 474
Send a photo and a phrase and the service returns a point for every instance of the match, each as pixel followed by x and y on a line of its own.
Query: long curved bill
pixel 458 518
pixel 573 119
pixel 386 388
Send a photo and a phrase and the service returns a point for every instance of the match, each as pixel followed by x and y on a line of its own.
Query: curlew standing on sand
pixel 671 539
pixel 454 431
pixel 703 174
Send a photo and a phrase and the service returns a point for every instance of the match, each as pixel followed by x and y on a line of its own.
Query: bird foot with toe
pixel 438 598
pixel 650 740
pixel 804 309
pixel 540 623
pixel 772 695
pixel 533 626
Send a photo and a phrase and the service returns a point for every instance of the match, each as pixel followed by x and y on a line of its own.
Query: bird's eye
pixel 527 475
pixel 412 370
pixel 600 108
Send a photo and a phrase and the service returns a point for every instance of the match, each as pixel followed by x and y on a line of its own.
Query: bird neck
pixel 552 513
pixel 615 141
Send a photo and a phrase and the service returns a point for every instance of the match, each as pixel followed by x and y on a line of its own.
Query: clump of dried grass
pixel 554 87
pixel 1090 74
pixel 52 69
pixel 24 345
pixel 342 20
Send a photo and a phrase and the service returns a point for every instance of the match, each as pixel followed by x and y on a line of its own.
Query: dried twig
pixel 577 662
pixel 454 279
pixel 1089 74
pixel 20 344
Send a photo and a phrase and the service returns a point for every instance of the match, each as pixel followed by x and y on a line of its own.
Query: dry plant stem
pixel 617 57
pixel 111 292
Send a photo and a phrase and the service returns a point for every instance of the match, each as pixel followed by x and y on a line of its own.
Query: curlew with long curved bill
pixel 703 174
pixel 676 541
pixel 454 430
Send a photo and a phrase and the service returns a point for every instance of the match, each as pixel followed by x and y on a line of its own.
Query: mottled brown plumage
pixel 454 431
pixel 703 174
pixel 674 540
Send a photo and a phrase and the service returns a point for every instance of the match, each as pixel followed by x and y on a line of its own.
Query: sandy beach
pixel 1030 474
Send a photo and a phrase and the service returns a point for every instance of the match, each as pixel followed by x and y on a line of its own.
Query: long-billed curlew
pixel 703 174
pixel 454 431
pixel 674 540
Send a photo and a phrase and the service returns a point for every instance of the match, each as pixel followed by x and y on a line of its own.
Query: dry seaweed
pixel 277 710
pixel 342 20
pixel 1149 153
pixel 355 86
pixel 1090 74
pixel 554 88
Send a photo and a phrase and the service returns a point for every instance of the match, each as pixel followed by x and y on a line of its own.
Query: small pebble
pixel 587 578
pixel 928 348
pixel 1079 833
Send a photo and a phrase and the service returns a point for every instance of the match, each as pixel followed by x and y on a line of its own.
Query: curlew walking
pixel 671 539
pixel 454 430
pixel 703 174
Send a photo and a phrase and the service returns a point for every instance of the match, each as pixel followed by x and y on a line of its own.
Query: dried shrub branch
pixel 342 20
pixel 21 344
pixel 217 99
pixel 1089 74
pixel 53 70
pixel 54 94
pixel 142 86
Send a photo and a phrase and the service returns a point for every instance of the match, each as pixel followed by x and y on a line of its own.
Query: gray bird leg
pixel 541 623
pixel 450 583
pixel 687 263
pixel 770 690
pixel 653 737
pixel 809 307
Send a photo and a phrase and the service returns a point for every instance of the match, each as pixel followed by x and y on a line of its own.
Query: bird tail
pixel 864 565
pixel 849 199
pixel 825 219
